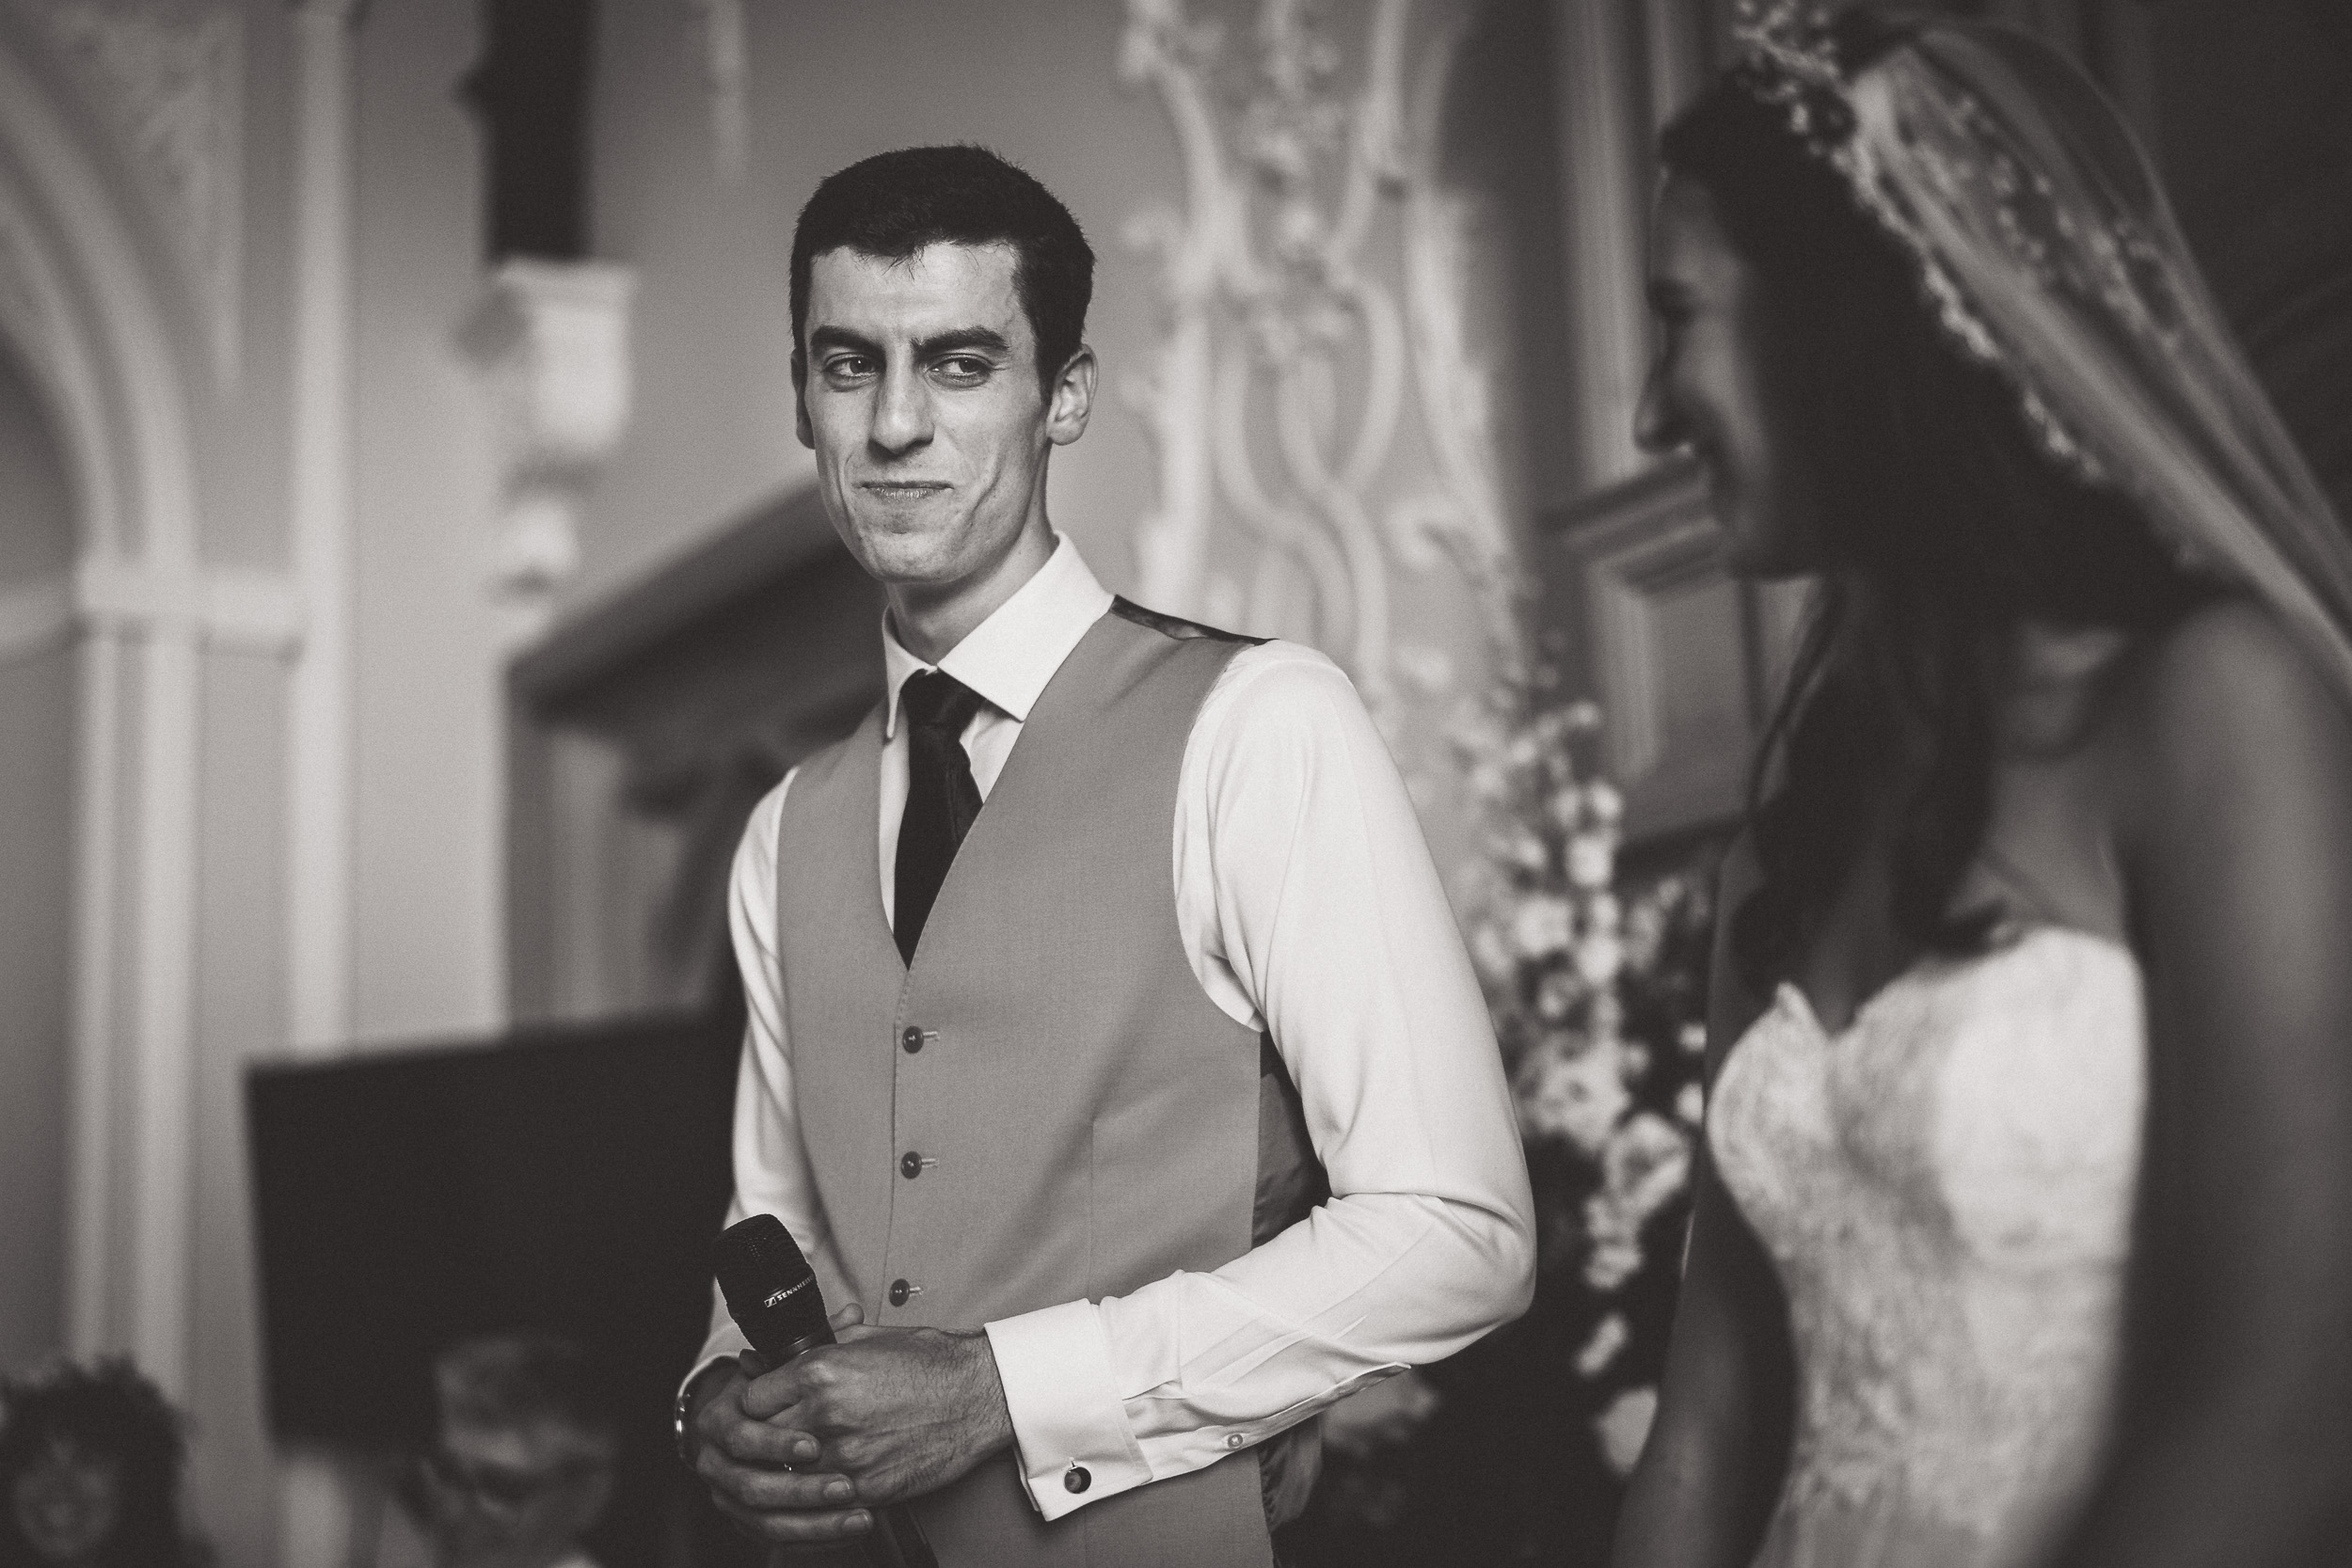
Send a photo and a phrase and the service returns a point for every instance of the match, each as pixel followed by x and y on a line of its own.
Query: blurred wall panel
pixel 426 635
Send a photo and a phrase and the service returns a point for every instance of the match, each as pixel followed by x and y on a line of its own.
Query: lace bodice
pixel 1945 1186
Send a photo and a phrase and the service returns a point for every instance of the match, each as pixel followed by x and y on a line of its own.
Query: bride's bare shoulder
pixel 2230 663
pixel 2224 709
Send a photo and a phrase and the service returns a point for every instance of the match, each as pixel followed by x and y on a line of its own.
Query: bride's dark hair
pixel 1943 522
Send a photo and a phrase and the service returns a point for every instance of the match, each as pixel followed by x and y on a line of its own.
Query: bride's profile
pixel 2024 1235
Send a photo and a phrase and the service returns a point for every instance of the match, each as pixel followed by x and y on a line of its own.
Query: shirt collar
pixel 1008 658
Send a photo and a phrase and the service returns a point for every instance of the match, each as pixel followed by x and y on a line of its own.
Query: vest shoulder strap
pixel 1175 627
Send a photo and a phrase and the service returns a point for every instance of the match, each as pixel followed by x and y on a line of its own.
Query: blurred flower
pixel 1599 956
pixel 1624 1427
pixel 1543 926
pixel 1609 1336
pixel 1644 931
pixel 1528 852
pixel 1591 993
pixel 1573 1089
pixel 1382 1417
pixel 1592 859
pixel 1605 1014
pixel 1557 995
pixel 1645 1161
pixel 1616 1254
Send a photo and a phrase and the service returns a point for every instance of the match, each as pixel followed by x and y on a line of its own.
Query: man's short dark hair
pixel 893 204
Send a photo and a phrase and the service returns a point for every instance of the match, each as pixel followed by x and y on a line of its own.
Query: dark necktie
pixel 941 800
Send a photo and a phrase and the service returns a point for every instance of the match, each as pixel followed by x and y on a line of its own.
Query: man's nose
pixel 902 410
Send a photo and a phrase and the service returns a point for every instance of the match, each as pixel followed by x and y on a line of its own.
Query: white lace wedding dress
pixel 1947 1187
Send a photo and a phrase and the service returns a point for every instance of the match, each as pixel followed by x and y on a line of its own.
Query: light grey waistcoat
pixel 1081 1118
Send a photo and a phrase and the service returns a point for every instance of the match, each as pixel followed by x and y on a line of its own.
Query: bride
pixel 2024 1231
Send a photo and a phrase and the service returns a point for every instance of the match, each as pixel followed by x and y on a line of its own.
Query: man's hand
pixel 898 1411
pixel 754 1470
pixel 790 1455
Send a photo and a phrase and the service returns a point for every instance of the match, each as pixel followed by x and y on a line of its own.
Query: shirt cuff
pixel 1069 1424
pixel 722 1345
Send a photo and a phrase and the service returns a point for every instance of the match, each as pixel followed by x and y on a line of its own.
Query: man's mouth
pixel 904 486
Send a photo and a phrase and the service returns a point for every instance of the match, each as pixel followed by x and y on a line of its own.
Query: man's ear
pixel 1073 398
pixel 800 401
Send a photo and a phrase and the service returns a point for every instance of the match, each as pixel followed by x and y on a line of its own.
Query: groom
pixel 1142 1114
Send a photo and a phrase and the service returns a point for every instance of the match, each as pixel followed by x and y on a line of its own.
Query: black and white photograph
pixel 1175 784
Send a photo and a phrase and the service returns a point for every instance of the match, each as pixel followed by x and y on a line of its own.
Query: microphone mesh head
pixel 770 1290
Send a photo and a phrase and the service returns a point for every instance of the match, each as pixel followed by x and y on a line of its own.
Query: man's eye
pixel 849 367
pixel 962 367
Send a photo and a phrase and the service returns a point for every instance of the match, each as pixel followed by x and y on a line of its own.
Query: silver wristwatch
pixel 682 1416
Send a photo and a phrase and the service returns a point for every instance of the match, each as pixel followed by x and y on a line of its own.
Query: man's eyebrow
pixel 839 336
pixel 962 338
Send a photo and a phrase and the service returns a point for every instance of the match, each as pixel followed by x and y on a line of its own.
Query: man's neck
pixel 929 620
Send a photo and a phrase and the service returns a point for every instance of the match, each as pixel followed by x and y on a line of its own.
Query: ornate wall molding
pixel 727 84
pixel 1312 283
pixel 171 86
pixel 550 340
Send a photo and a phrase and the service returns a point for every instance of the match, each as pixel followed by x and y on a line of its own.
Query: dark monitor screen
pixel 568 1181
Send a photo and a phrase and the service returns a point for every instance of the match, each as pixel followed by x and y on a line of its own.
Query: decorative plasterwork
pixel 170 83
pixel 1312 283
pixel 551 343
pixel 726 81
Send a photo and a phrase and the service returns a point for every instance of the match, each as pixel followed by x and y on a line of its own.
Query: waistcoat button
pixel 897 1292
pixel 1076 1479
pixel 910 1040
pixel 911 1165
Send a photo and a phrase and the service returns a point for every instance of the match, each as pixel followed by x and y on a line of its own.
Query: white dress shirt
pixel 1309 907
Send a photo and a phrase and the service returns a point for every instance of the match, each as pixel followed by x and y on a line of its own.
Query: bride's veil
pixel 2052 250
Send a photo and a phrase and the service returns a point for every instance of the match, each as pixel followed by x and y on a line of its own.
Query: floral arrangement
pixel 1598 996
pixel 1515 1451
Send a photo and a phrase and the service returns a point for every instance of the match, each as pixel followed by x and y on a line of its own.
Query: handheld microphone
pixel 772 1296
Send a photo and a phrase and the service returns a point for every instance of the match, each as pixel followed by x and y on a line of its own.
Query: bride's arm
pixel 1717 1450
pixel 2236 1444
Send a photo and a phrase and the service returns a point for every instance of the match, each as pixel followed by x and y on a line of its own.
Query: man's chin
pixel 909 567
pixel 895 547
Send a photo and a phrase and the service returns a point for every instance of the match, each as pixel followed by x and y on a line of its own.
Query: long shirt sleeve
pixel 1309 907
